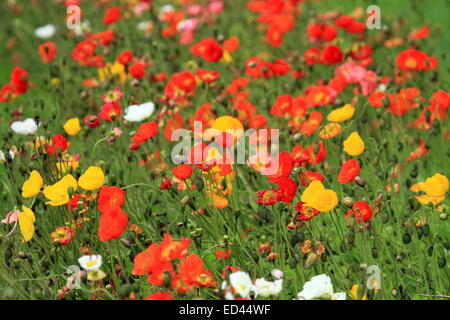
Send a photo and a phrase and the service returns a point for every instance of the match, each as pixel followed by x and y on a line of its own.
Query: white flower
pixel 164 9
pixel 319 287
pixel 139 112
pixel 266 288
pixel 2 155
pixel 90 263
pixel 25 127
pixel 241 283
pixel 144 25
pixel 45 32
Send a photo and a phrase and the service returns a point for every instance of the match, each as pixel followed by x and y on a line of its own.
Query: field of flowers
pixel 121 168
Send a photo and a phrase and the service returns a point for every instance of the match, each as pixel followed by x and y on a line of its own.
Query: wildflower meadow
pixel 224 150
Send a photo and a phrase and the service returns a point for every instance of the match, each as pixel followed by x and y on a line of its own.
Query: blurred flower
pixel 25 127
pixel 11 217
pixel 137 113
pixel 266 288
pixel 45 32
pixel 342 114
pixel 72 126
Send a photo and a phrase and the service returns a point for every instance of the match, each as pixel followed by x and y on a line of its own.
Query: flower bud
pixel 348 202
pixel 359 181
pixel 185 200
pixel 406 238
pixel 311 260
pixel 443 216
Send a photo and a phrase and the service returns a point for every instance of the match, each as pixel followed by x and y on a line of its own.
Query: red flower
pixel 350 169
pixel 137 70
pixel 207 76
pixel 110 197
pixel 306 213
pixel 125 57
pixel 332 55
pixel 287 187
pixel 58 145
pixel 166 184
pixel 47 51
pixel 268 197
pixel 91 121
pixel 160 296
pixel 111 15
pixel 191 272
pixel 208 49
pixel 361 210
pixel 182 171
pixel 222 254
pixel 285 166
pixel 19 80
pixel 306 177
pixel 146 131
pixel 413 59
pixel 113 223
pixel 110 110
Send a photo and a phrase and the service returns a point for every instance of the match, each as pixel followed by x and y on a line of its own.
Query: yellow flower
pixel 317 197
pixel 354 145
pixel 26 223
pixel 33 185
pixel 58 193
pixel 72 126
pixel 434 187
pixel 93 178
pixel 111 70
pixel 342 114
pixel 224 124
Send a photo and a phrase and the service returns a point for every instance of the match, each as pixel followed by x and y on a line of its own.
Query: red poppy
pixel 110 111
pixel 160 296
pixel 285 166
pixel 361 210
pixel 207 76
pixel 191 272
pixel 113 223
pixel 412 59
pixel 223 254
pixel 306 177
pixel 332 55
pixel 146 131
pixel 306 213
pixel 125 57
pixel 231 44
pixel 58 145
pixel 111 15
pixel 208 49
pixel 137 70
pixel 350 169
pixel 287 187
pixel 19 80
pixel 268 197
pixel 91 121
pixel 166 184
pixel 110 196
pixel 182 171
pixel 47 51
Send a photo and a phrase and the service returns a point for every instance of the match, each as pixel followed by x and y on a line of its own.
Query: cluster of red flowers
pixel 113 220
pixel 159 263
pixel 17 86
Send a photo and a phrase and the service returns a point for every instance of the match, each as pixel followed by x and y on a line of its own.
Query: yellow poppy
pixel 227 123
pixel 342 114
pixel 72 126
pixel 26 223
pixel 92 179
pixel 33 185
pixel 58 193
pixel 354 145
pixel 319 198
pixel 434 189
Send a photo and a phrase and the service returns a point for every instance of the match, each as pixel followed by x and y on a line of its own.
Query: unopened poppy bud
pixel 419 232
pixel 297 137
pixel 348 202
pixel 125 242
pixel 443 216
pixel 185 200
pixel 70 191
pixel 22 255
pixel 359 181
pixel 406 238
pixel 199 184
pixel 311 260
pixel 8 254
pixel 441 262
pixel 374 253
pixel 426 230
pixel 394 292
pixel 124 291
pixel 430 251
pixel 349 221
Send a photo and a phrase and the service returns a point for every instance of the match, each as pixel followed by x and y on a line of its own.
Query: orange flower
pixel 47 51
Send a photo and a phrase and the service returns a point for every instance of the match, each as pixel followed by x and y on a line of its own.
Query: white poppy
pixel 319 287
pixel 45 32
pixel 139 112
pixel 266 288
pixel 2 155
pixel 241 283
pixel 90 263
pixel 25 127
